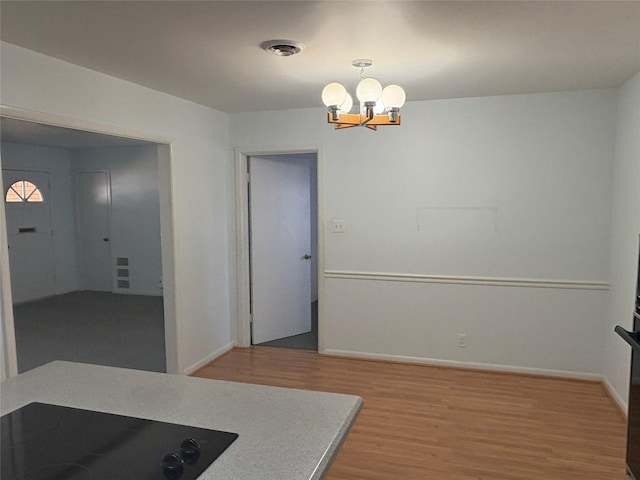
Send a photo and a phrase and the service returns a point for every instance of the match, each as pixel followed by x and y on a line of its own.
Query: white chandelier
pixel 374 100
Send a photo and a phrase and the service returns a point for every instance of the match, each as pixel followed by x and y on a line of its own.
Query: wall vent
pixel 282 48
pixel 122 264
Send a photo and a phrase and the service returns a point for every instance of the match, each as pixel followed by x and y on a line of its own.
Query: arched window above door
pixel 23 191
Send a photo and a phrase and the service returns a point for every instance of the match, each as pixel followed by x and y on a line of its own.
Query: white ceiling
pixel 208 51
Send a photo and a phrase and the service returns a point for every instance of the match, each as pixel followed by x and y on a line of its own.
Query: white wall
pixel 135 209
pixel 56 161
pixel 624 238
pixel 201 171
pixel 506 200
pixel 515 188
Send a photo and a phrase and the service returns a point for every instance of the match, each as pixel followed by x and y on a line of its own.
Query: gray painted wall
pixel 57 161
pixel 135 209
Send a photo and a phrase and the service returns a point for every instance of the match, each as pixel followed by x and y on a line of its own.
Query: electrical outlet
pixel 338 226
pixel 462 340
pixel 160 285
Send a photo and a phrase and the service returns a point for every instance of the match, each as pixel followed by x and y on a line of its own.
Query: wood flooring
pixel 421 422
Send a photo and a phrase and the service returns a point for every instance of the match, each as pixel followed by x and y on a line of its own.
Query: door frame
pixel 242 236
pixel 9 360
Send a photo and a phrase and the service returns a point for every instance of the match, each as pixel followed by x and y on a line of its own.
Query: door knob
pixel 105 239
pixel 307 256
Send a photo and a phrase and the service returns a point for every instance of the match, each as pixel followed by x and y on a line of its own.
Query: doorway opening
pixel 283 250
pixel 131 253
pixel 280 248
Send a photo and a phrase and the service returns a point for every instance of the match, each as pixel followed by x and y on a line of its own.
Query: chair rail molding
pixel 468 280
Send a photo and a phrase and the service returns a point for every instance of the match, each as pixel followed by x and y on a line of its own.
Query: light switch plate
pixel 338 226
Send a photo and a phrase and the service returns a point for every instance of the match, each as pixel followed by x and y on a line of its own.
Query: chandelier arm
pixel 383 120
pixel 348 120
pixel 369 115
pixel 344 120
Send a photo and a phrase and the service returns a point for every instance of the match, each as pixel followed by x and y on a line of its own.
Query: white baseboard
pixel 209 358
pixel 467 365
pixel 64 291
pixel 128 291
pixel 51 295
pixel 613 393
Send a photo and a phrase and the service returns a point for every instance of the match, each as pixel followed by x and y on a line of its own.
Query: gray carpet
pixel 304 341
pixel 92 327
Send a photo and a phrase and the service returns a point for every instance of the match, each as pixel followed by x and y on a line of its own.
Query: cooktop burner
pixel 48 442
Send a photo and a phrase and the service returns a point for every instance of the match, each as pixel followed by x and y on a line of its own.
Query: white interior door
pixel 93 203
pixel 29 234
pixel 280 247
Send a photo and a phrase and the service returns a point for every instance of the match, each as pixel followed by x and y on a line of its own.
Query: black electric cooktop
pixel 48 442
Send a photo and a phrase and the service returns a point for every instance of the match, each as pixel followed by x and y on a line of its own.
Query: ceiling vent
pixel 282 48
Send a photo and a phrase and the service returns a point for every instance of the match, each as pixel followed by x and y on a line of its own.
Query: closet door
pixel 94 205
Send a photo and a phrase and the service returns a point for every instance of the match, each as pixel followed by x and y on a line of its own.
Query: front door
pixel 29 234
pixel 279 197
pixel 94 204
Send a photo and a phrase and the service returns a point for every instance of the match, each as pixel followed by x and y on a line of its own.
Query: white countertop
pixel 285 434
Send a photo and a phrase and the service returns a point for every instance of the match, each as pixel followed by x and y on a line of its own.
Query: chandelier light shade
pixel 393 96
pixel 374 100
pixel 347 105
pixel 369 90
pixel 334 94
